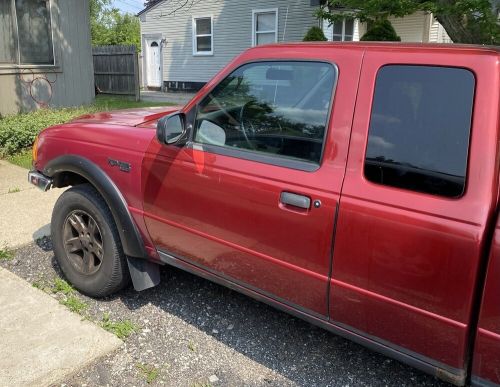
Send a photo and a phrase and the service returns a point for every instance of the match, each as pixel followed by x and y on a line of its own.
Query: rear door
pixel 253 197
pixel 486 367
pixel 419 189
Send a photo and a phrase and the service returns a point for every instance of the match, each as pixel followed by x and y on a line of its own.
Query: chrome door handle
pixel 295 200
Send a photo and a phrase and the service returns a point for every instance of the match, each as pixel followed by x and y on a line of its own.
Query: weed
pixel 61 286
pixel 149 372
pixel 43 284
pixel 74 304
pixel 122 329
pixel 6 255
pixel 14 190
pixel 201 384
pixel 70 301
pixel 38 284
pixel 191 346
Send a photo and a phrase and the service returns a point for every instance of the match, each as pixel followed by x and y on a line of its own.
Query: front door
pixel 253 197
pixel 153 63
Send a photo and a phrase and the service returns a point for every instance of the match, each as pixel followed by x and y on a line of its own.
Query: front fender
pixel 130 237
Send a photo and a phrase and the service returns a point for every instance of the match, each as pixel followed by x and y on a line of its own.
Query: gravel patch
pixel 191 332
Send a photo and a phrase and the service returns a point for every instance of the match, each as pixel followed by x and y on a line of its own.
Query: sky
pixel 132 6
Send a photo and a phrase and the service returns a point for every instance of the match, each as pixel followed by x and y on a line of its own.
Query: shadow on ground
pixel 299 351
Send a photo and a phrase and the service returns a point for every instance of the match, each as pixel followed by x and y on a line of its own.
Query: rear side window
pixel 420 128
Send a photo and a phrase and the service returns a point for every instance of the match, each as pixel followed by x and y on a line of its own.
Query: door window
pixel 420 128
pixel 278 109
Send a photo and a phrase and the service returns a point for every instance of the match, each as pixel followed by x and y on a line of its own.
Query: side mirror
pixel 170 129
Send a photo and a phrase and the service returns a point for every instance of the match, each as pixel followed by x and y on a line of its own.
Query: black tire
pixel 108 271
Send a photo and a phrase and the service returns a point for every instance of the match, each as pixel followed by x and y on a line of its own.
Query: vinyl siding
pixel 411 28
pixel 73 76
pixel 420 27
pixel 358 31
pixel 232 21
pixel 438 34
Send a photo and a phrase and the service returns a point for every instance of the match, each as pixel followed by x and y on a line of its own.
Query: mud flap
pixel 144 274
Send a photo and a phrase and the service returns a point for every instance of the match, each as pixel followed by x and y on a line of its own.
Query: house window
pixel 265 26
pixel 339 31
pixel 26 32
pixel 203 36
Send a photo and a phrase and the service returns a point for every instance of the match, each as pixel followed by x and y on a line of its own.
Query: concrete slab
pixel 25 211
pixel 41 341
pixel 11 178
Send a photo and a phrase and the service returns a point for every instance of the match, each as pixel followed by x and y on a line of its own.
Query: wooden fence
pixel 116 70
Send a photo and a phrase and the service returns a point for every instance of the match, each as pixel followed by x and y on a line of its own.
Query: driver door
pixel 252 197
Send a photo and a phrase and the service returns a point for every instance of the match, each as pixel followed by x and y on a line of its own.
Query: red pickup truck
pixel 355 186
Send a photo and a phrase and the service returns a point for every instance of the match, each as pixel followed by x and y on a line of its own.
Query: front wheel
pixel 87 244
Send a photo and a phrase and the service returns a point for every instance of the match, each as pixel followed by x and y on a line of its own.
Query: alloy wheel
pixel 83 242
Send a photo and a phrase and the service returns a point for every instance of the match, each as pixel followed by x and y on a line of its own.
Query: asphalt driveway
pixel 191 332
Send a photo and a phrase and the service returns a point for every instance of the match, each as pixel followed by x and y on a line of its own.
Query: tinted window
pixel 277 108
pixel 419 129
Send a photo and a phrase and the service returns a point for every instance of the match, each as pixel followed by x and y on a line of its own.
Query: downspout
pixel 163 44
pixel 286 21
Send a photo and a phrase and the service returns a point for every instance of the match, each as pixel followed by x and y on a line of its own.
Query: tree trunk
pixel 454 24
pixel 456 30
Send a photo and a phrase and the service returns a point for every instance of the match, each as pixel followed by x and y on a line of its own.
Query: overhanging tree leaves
pixel 466 21
pixel 98 29
pixel 110 27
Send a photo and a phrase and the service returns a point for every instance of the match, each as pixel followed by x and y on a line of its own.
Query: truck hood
pixel 127 117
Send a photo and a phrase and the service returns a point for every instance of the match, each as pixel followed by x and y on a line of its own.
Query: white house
pixel 419 27
pixel 184 46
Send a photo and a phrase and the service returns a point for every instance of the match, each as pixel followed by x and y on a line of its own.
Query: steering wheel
pixel 242 124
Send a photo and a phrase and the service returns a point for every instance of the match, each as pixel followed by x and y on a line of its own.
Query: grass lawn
pixel 22 158
pixel 106 102
pixel 18 132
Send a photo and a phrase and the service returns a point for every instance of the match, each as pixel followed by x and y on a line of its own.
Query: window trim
pixel 255 13
pixel 196 35
pixel 260 157
pixel 21 66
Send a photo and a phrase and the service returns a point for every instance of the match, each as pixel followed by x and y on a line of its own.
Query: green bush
pixel 19 131
pixel 315 34
pixel 381 31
